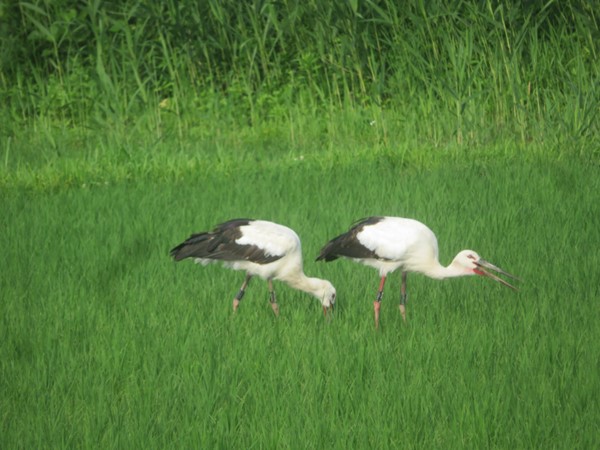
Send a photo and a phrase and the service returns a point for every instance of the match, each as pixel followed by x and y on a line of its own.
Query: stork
pixel 266 249
pixel 390 243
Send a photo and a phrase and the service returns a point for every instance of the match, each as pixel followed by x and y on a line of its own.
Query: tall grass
pixel 117 79
pixel 105 342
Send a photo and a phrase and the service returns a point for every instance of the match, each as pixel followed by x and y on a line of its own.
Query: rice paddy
pixel 127 126
pixel 108 343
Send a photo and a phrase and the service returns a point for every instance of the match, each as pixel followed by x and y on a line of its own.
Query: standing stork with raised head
pixel 390 243
pixel 266 249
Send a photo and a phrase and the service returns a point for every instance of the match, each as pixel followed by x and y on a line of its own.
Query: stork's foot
pixel 403 312
pixel 275 307
pixel 236 304
pixel 376 308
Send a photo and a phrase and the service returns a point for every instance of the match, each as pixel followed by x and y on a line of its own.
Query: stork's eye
pixel 471 257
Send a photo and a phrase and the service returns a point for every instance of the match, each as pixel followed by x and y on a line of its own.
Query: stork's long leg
pixel 403 296
pixel 242 291
pixel 377 302
pixel 273 300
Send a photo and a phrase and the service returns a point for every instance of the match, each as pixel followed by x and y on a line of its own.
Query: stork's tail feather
pixel 330 251
pixel 348 245
pixel 197 245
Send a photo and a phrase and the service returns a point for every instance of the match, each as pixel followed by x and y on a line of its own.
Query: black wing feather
pixel 347 244
pixel 220 244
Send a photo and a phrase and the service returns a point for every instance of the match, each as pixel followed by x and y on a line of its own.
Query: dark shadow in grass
pixel 121 265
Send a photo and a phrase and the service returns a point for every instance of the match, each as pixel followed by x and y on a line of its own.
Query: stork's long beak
pixel 327 310
pixel 482 264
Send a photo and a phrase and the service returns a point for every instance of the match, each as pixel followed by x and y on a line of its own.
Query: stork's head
pixel 473 264
pixel 326 295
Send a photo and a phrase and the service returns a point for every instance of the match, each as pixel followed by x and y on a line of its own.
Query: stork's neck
pixel 440 272
pixel 298 280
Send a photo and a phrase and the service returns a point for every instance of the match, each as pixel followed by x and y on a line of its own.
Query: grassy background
pixel 107 343
pixel 117 89
pixel 128 125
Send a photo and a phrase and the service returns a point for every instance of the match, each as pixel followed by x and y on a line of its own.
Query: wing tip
pixel 176 252
pixel 327 254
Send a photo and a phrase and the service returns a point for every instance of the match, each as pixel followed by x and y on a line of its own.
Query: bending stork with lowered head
pixel 265 249
pixel 391 243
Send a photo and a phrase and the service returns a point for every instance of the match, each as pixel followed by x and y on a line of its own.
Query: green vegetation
pixel 107 343
pixel 125 126
pixel 112 90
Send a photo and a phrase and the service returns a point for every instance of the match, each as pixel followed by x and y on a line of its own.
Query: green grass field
pixel 106 343
pixel 126 126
